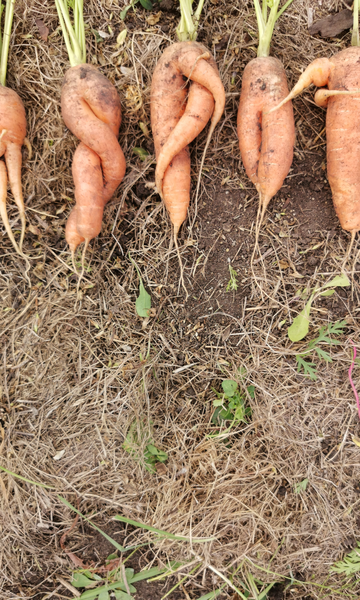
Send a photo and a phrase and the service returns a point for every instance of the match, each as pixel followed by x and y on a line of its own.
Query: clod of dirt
pixel 333 25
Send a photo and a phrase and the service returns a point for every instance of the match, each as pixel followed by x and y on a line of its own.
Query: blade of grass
pixel 165 534
pixel 106 536
pixel 43 485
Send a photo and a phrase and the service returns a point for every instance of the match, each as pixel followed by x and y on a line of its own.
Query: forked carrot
pixel 266 141
pixel 186 92
pixel 91 109
pixel 12 134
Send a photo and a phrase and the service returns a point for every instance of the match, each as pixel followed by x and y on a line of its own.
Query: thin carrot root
pixel 347 255
pixel 208 140
pixel 176 232
pixel 317 72
pixel 73 262
pixel 3 211
pixel 29 147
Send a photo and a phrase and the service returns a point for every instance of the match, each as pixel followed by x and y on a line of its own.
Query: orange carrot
pixel 12 137
pixel 91 109
pixel 341 74
pixel 266 140
pixel 186 92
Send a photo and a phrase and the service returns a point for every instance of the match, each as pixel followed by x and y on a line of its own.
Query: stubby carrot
pixel 341 75
pixel 266 141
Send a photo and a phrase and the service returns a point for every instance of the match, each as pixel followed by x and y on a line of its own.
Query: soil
pixel 80 367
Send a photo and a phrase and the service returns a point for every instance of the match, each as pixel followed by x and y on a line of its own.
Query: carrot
pixel 12 135
pixel 266 141
pixel 341 74
pixel 186 92
pixel 91 109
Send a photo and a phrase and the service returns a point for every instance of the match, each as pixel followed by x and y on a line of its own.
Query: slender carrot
pixel 12 134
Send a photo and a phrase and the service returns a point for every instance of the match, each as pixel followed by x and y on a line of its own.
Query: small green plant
pixel 143 301
pixel 301 486
pixel 145 3
pixel 119 582
pixel 314 346
pixel 350 564
pixel 232 286
pixel 230 405
pixel 300 326
pixel 141 153
pixel 133 443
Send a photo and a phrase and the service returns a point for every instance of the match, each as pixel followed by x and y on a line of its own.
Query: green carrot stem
pixel 74 35
pixel 5 39
pixel 355 31
pixel 266 23
pixel 189 22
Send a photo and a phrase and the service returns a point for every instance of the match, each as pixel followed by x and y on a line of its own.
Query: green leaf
pixel 229 386
pixel 140 152
pixel 97 36
pixel 146 4
pixel 122 596
pixel 217 402
pixel 309 367
pixel 129 574
pixel 127 8
pixel 152 449
pixel 104 595
pixel 143 302
pixel 251 391
pixel 79 580
pixel 322 354
pixel 300 326
pixel 338 281
pixel 350 564
pixel 328 293
pixel 301 486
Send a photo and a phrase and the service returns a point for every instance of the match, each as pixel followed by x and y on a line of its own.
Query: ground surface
pixel 79 368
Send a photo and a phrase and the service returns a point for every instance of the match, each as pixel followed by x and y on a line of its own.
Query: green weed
pixel 232 285
pixel 313 346
pixel 136 438
pixel 231 404
pixel 350 564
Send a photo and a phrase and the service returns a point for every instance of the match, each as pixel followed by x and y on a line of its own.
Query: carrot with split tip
pixel 341 75
pixel 266 141
pixel 90 107
pixel 12 135
pixel 186 92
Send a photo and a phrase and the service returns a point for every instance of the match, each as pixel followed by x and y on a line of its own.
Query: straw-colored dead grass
pixel 74 376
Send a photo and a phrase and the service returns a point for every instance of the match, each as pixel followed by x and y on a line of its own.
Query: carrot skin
pixel 12 133
pixel 343 138
pixel 176 120
pixel 91 110
pixel 266 141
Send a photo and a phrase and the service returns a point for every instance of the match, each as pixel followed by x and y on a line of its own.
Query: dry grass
pixel 73 374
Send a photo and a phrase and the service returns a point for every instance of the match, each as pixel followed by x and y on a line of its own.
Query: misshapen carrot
pixel 186 92
pixel 91 109
pixel 12 137
pixel 266 141
pixel 179 112
pixel 341 73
